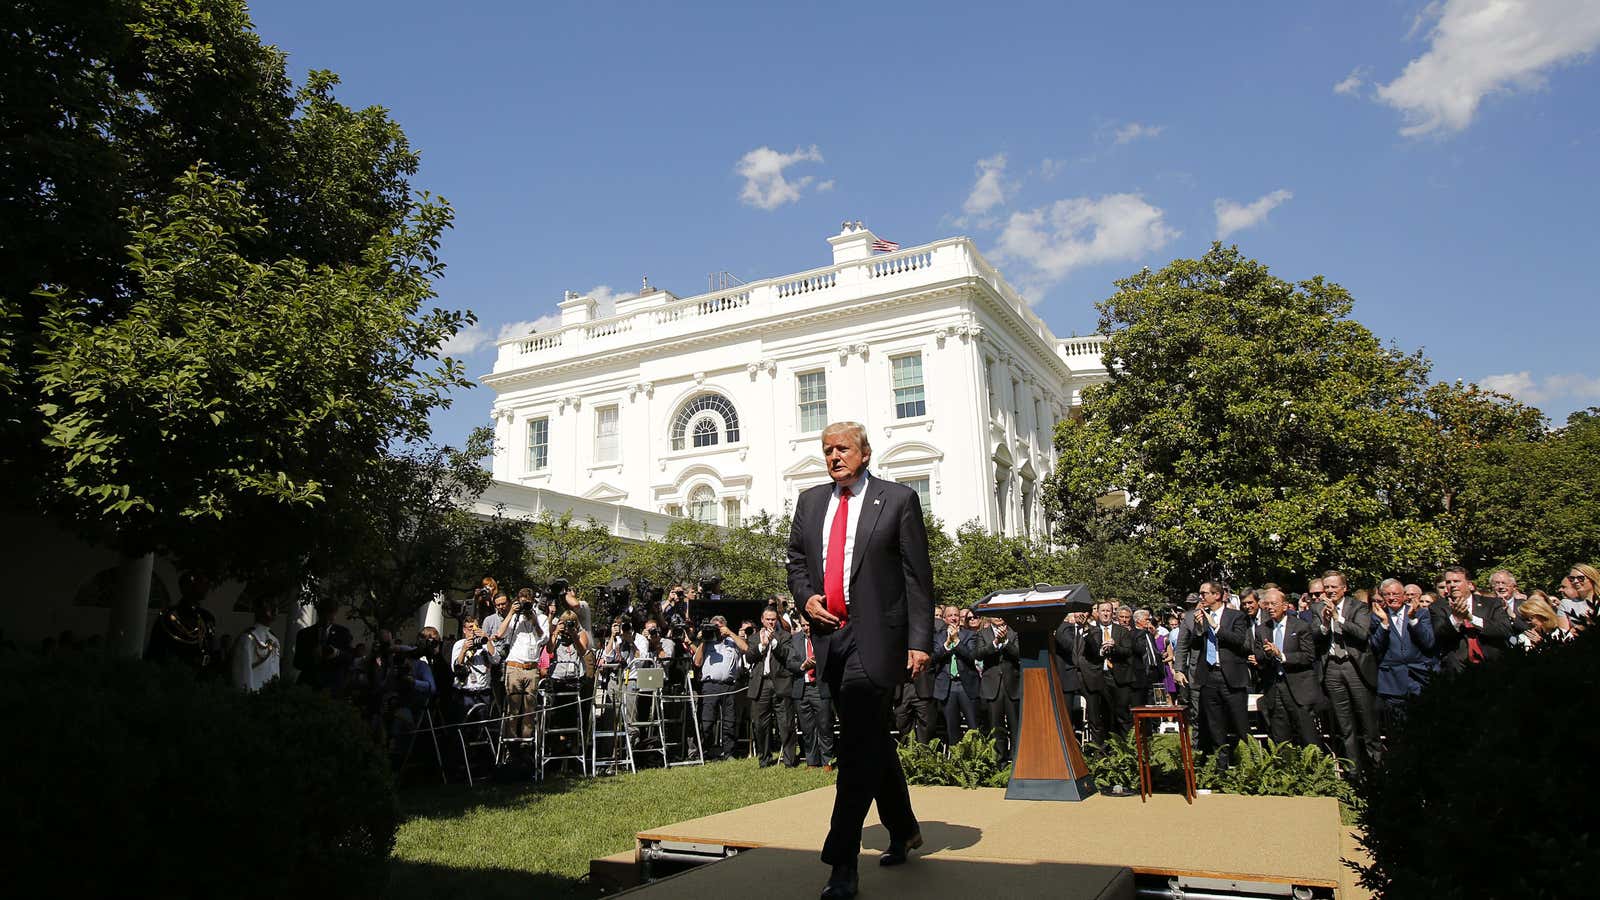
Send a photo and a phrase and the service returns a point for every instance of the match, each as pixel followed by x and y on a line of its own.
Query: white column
pixel 432 613
pixel 125 636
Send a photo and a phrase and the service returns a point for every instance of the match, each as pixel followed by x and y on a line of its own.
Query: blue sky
pixel 1437 160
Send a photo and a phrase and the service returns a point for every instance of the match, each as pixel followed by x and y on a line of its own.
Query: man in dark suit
pixel 1001 687
pixel 1223 674
pixel 858 566
pixel 770 691
pixel 955 675
pixel 1066 644
pixel 1286 653
pixel 1148 669
pixel 915 710
pixel 1105 661
pixel 812 702
pixel 1349 672
pixel 1468 628
pixel 1186 662
pixel 323 652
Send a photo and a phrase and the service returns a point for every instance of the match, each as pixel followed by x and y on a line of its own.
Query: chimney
pixel 852 243
pixel 575 309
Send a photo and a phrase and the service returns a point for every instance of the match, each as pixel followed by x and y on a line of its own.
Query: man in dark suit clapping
pixel 1223 672
pixel 858 567
pixel 812 703
pixel 1286 653
pixel 955 675
pixel 1468 628
pixel 1001 687
pixel 1105 661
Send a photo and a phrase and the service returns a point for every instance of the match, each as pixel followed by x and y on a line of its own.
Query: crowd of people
pixel 1329 666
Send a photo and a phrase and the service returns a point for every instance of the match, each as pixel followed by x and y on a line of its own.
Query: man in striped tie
pixel 858 568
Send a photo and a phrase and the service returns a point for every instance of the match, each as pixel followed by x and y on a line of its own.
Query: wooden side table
pixel 1156 714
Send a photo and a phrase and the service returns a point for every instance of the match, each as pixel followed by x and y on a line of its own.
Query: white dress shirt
pixel 857 491
pixel 256 658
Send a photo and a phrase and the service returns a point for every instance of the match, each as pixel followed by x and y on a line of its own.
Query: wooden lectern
pixel 1048 763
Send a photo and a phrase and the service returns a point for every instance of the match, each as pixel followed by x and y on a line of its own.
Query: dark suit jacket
pixel 1450 642
pixel 1002 665
pixel 1234 644
pixel 794 660
pixel 1356 632
pixel 1066 648
pixel 1405 660
pixel 308 660
pixel 890 578
pixel 965 654
pixel 1298 667
pixel 1147 667
pixel 780 676
pixel 1090 659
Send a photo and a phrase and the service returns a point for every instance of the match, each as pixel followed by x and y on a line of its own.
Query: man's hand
pixel 809 664
pixel 817 611
pixel 1381 614
pixel 1272 649
pixel 916 661
pixel 724 630
pixel 1180 678
pixel 1462 607
pixel 1199 618
pixel 1251 659
pixel 1327 611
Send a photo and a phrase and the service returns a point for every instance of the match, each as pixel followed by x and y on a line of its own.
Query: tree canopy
pixel 1260 431
pixel 215 287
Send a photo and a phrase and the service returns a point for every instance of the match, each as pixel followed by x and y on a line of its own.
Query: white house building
pixel 712 406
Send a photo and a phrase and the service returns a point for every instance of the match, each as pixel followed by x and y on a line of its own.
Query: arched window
pixel 705 417
pixel 703 505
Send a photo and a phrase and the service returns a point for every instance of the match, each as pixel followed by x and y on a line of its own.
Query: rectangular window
pixel 539 444
pixel 605 434
pixel 924 491
pixel 813 389
pixel 909 400
pixel 730 512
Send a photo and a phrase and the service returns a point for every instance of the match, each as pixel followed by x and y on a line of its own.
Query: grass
pixel 514 840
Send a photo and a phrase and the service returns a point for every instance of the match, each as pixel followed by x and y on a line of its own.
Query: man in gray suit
pixel 1285 654
pixel 771 705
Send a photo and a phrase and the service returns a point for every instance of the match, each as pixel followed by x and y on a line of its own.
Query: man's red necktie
pixel 833 571
pixel 811 674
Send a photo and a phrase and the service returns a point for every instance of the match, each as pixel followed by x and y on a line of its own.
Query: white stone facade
pixel 711 406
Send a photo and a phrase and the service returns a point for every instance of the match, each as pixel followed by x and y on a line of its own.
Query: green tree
pixel 407 530
pixel 583 552
pixel 688 552
pixel 1259 428
pixel 978 563
pixel 213 285
pixel 753 557
pixel 1532 506
pixel 1458 419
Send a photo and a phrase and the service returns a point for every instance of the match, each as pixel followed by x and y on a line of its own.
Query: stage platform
pixel 980 844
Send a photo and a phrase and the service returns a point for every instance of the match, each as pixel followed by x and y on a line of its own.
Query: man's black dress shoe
pixel 842 884
pixel 899 850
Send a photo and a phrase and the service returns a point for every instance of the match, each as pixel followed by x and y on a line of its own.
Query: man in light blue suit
pixel 1402 641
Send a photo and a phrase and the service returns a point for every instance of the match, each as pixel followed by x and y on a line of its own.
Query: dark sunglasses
pixel 1577 578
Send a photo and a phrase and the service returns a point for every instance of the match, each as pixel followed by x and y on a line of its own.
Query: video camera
pixel 710 633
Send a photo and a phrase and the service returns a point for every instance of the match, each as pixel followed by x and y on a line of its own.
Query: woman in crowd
pixel 1542 621
pixel 1577 594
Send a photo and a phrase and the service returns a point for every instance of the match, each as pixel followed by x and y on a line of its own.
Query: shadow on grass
pixel 425 881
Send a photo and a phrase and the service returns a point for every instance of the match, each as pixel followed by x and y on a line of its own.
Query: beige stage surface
pixel 969 833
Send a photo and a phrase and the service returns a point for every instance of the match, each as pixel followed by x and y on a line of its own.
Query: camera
pixel 477 641
pixel 566 632
pixel 709 633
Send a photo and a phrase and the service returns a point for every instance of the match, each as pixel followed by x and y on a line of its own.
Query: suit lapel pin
pixel 876 502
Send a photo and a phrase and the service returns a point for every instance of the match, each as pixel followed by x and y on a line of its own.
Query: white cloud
pixel 1082 231
pixel 1352 83
pixel 1581 390
pixel 1133 131
pixel 825 186
pixel 1482 47
pixel 1050 168
pixel 765 186
pixel 479 336
pixel 1232 217
pixel 990 189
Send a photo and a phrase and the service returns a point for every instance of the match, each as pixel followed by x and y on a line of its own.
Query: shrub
pixel 1482 792
pixel 971 763
pixel 130 775
pixel 1266 769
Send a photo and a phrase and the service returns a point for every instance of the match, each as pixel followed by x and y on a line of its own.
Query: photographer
pixel 431 651
pixel 580 608
pixel 473 659
pixel 718 655
pixel 399 685
pixel 525 632
pixel 497 671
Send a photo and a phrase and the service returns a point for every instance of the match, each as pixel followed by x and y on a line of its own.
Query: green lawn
pixel 536 840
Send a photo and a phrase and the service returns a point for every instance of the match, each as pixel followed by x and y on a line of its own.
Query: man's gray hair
pixel 1139 615
pixel 857 431
pixel 1384 584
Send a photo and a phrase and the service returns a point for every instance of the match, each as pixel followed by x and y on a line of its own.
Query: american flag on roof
pixel 882 246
